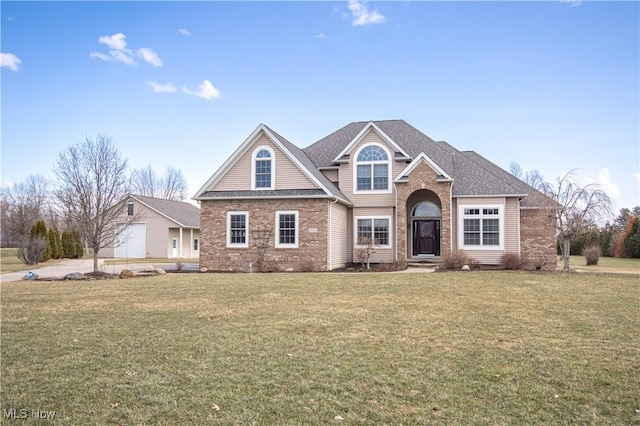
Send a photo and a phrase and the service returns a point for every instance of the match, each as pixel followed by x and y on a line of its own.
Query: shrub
pixel 511 261
pixel 457 260
pixel 31 250
pixel 592 254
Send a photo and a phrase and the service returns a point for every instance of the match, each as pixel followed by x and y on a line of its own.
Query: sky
pixel 552 85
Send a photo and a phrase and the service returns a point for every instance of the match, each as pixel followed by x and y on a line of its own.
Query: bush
pixel 457 260
pixel 592 254
pixel 511 261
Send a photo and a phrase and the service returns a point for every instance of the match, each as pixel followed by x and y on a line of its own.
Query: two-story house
pixel 379 184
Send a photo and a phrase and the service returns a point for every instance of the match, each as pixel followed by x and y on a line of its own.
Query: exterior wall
pixel 422 177
pixel 485 257
pixel 338 230
pixel 538 239
pixel 331 174
pixel 158 238
pixel 381 255
pixel 347 172
pixel 187 243
pixel 311 252
pixel 287 174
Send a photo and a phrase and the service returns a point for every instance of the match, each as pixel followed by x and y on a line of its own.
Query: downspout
pixel 330 243
pixel 451 219
pixel 395 245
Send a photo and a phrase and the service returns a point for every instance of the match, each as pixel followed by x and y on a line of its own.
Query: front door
pixel 174 248
pixel 426 237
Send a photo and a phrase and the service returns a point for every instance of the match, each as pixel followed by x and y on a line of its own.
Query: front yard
pixel 450 348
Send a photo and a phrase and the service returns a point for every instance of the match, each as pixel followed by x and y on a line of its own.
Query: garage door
pixel 132 242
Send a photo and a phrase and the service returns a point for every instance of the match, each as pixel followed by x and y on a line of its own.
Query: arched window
pixel 427 209
pixel 372 169
pixel 263 168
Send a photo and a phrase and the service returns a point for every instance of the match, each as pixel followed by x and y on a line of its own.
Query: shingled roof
pixel 472 174
pixel 182 213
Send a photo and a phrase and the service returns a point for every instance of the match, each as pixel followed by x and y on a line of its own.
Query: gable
pixel 371 133
pixel 287 174
pixel 441 175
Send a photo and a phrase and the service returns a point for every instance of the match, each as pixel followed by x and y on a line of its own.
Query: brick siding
pixel 311 253
pixel 538 239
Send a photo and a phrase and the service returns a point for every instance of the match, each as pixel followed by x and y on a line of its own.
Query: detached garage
pixel 159 229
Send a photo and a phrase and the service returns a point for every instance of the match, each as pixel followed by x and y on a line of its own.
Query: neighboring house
pixel 161 229
pixel 382 183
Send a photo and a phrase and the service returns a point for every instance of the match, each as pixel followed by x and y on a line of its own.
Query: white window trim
pixel 462 217
pixel 355 231
pixel 355 171
pixel 246 224
pixel 277 228
pixel 253 168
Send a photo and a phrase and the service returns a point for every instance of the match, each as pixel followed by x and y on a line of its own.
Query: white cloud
pixel 9 60
pixel 150 56
pixel 184 32
pixel 604 180
pixel 117 41
pixel 162 88
pixel 362 15
pixel 205 91
pixel 119 52
pixel 572 3
pixel 321 35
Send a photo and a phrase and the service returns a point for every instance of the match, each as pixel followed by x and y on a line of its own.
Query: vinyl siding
pixel 347 174
pixel 488 257
pixel 382 255
pixel 331 174
pixel 339 233
pixel 287 174
pixel 511 229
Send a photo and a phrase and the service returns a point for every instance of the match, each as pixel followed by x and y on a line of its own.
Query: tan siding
pixel 339 234
pixel 489 257
pixel 382 255
pixel 486 257
pixel 332 175
pixel 346 175
pixel 288 176
pixel 511 231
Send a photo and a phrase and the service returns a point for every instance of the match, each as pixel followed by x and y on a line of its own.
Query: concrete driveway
pixel 60 269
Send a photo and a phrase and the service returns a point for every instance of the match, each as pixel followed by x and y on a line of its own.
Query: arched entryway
pixel 425 217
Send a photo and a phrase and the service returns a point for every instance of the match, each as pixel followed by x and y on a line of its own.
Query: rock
pixel 466 268
pixel 31 276
pixel 160 271
pixel 126 273
pixel 204 269
pixel 148 268
pixel 74 276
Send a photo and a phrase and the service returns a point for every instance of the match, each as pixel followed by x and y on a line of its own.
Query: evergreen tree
pixel 632 238
pixel 39 231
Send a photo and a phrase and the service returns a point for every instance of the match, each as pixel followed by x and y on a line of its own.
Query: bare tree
pixel 171 186
pixel 577 208
pixel 23 204
pixel 92 178
pixel 532 177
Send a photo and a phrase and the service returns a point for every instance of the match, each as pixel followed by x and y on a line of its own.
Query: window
pixel 427 209
pixel 195 244
pixel 130 209
pixel 237 229
pixel 263 168
pixel 287 229
pixel 375 229
pixel 372 169
pixel 481 227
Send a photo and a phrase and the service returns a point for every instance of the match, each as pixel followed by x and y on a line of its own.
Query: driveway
pixel 60 269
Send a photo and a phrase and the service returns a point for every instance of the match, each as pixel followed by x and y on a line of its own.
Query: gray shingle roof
pixel 185 214
pixel 472 174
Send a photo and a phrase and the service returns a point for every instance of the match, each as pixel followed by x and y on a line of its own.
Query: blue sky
pixel 552 85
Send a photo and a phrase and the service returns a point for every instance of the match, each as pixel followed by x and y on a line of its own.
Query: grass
pixel 605 264
pixel 449 348
pixel 9 261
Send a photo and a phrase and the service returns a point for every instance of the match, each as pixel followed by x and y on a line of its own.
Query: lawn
pixel 9 261
pixel 391 348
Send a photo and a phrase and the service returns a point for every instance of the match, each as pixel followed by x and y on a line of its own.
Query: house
pixel 379 184
pixel 160 228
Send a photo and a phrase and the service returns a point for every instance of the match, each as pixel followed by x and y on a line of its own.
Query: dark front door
pixel 426 237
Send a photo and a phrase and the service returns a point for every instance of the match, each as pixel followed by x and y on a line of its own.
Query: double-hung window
pixel 287 229
pixel 263 166
pixel 238 229
pixel 372 169
pixel 481 227
pixel 373 231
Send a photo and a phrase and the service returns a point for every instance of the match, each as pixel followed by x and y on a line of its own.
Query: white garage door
pixel 132 242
